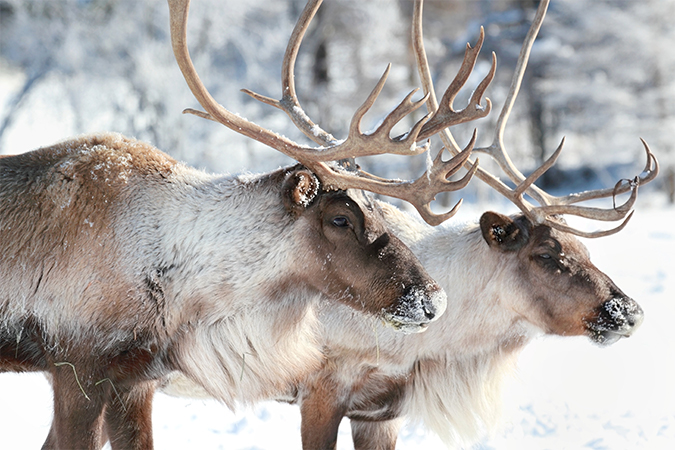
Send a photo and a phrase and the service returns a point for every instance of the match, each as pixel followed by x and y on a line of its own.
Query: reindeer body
pixel 131 257
pixel 450 377
pixel 120 265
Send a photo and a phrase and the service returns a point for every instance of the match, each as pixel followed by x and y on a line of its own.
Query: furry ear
pixel 299 191
pixel 502 233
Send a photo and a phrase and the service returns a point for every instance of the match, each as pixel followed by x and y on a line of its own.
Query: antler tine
pixel 650 172
pixel 445 115
pixel 381 135
pixel 289 101
pixel 565 205
pixel 589 234
pixel 421 192
pixel 290 104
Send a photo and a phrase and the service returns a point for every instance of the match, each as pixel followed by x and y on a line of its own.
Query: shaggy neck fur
pixel 154 266
pixel 457 382
pixel 243 350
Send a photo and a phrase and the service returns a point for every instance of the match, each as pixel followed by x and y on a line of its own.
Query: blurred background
pixel 599 75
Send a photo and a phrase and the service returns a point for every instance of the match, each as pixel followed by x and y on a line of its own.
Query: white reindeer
pixel 508 280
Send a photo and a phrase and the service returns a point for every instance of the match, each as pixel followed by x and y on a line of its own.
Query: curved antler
pixel 318 159
pixel 550 205
pixel 445 115
pixel 423 189
pixel 357 144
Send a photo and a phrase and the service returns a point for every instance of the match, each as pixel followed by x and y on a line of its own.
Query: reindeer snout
pixel 416 308
pixel 617 318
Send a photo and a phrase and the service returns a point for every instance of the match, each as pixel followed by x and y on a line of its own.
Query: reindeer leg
pixel 51 441
pixel 78 410
pixel 321 413
pixel 380 435
pixel 128 418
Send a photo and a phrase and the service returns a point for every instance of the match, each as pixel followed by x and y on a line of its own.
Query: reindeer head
pixel 563 293
pixel 567 294
pixel 350 256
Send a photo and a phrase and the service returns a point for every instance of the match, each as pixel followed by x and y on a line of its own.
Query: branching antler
pixel 425 188
pixel 550 205
pixel 419 192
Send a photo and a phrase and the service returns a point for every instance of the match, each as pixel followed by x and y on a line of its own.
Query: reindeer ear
pixel 299 190
pixel 502 233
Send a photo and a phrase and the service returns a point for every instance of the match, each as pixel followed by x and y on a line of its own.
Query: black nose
pixel 425 305
pixel 622 315
pixel 617 318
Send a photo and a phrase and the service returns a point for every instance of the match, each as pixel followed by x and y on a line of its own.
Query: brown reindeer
pixel 508 280
pixel 121 266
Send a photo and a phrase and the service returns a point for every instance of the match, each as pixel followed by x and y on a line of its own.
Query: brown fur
pixel 121 266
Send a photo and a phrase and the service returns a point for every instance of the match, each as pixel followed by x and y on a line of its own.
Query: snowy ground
pixel 568 393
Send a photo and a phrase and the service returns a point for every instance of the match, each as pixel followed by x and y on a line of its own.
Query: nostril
pixel 637 318
pixel 429 314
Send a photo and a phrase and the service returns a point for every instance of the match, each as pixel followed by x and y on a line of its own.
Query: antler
pixel 445 115
pixel 419 193
pixel 550 205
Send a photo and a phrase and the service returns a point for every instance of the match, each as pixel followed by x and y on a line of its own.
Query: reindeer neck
pixel 195 245
pixel 475 321
pixel 466 354
pixel 244 331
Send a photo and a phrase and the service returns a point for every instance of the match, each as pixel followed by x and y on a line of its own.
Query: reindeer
pixel 121 266
pixel 508 280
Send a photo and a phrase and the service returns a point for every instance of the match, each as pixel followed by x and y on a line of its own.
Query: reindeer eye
pixel 545 256
pixel 341 221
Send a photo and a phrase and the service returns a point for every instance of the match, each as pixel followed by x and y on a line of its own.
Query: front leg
pixel 128 418
pixel 322 411
pixel 78 410
pixel 380 435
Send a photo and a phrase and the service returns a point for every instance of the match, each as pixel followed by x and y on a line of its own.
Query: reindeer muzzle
pixel 617 318
pixel 416 308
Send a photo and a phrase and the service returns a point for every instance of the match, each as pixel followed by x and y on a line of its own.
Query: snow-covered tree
pixel 598 74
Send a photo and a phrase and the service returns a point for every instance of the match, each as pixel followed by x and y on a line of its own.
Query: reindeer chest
pixel 377 396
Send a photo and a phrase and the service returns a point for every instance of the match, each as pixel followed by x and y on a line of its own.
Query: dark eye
pixel 553 262
pixel 341 221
